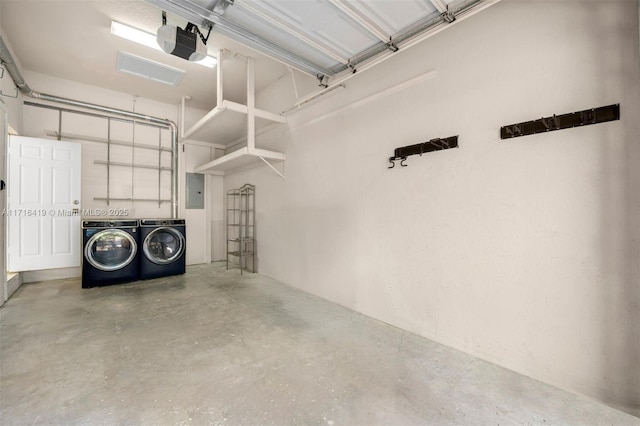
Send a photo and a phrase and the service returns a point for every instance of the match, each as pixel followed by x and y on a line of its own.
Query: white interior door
pixel 44 204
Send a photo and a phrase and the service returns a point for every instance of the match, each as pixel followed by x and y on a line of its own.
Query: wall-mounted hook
pixel 436 144
pixel 562 121
pixel 550 123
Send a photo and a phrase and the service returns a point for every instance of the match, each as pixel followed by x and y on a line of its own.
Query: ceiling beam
pixel 361 20
pixel 290 29
pixel 201 16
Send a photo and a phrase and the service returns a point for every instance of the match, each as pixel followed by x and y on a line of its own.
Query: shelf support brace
pixel 272 168
pixel 295 86
pixel 251 106
pixel 219 82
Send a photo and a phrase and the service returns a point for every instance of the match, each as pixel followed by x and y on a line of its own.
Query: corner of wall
pixel 14 281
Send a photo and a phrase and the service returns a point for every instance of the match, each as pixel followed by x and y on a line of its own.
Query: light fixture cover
pixel 148 69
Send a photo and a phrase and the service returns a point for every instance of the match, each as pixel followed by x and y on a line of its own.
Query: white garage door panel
pixel 393 19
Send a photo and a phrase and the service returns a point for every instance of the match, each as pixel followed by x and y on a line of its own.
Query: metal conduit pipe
pixel 8 62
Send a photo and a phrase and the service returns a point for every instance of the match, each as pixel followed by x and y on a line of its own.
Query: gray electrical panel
pixel 195 191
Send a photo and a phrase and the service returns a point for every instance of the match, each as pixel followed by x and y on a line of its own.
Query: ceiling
pixel 71 39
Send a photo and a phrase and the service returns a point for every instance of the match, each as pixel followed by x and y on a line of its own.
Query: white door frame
pixel 4 131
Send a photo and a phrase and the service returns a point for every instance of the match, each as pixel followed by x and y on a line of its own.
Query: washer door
pixel 164 245
pixel 110 249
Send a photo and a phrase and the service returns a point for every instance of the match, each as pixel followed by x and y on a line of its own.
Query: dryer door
pixel 164 245
pixel 110 249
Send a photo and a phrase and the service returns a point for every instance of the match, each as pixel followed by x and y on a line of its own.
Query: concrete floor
pixel 212 347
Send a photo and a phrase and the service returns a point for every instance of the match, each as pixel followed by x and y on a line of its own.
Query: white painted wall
pixel 11 111
pixel 199 229
pixel 522 252
pixel 125 182
pixel 11 101
pixel 11 98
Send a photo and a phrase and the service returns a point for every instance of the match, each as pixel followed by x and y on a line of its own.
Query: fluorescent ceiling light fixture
pixel 147 39
pixel 208 62
pixel 135 35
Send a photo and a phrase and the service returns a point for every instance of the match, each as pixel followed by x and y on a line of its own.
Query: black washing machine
pixel 110 249
pixel 164 247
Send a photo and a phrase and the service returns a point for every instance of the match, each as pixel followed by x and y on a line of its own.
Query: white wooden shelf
pixel 225 124
pixel 240 158
pixel 230 122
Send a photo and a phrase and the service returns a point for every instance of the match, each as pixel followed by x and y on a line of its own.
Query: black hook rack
pixel 564 121
pixel 437 144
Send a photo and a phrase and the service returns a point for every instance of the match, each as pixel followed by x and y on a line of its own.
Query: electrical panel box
pixel 195 191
